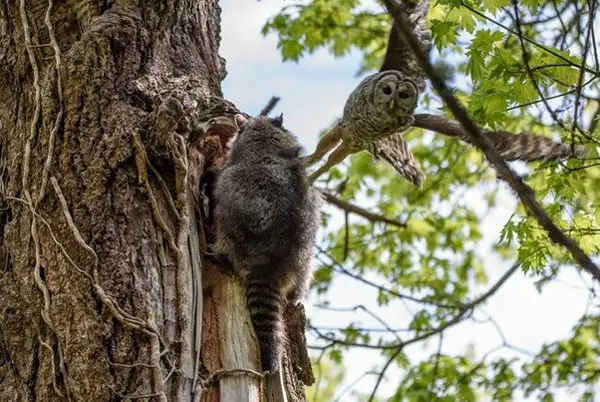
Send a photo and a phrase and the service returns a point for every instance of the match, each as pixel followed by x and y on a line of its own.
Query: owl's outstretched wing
pixel 530 147
pixel 394 150
pixel 524 146
pixel 398 55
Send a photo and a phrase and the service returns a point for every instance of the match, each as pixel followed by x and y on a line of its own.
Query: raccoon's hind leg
pixel 300 285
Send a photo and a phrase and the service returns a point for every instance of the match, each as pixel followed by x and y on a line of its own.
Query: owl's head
pixel 394 93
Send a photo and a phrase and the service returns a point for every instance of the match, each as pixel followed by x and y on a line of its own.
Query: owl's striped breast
pixel 366 131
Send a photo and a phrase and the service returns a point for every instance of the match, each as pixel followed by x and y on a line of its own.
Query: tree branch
pixel 458 317
pixel 526 56
pixel 507 29
pixel 524 192
pixel 269 106
pixel 586 48
pixel 355 209
pixel 341 269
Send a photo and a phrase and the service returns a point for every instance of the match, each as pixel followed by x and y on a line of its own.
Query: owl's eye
pixel 387 90
pixel 403 95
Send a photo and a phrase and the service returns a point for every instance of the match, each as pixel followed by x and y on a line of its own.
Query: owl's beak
pixel 392 104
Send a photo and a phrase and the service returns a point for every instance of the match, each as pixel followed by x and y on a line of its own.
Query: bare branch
pixel 355 209
pixel 352 385
pixel 468 307
pixel 341 269
pixel 458 317
pixel 524 192
pixel 269 106
pixel 383 370
pixel 586 48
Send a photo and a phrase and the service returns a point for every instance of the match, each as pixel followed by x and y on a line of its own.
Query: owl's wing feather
pixel 394 150
pixel 530 147
pixel 398 55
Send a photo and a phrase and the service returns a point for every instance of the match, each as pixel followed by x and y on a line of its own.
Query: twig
pixel 383 370
pixel 442 327
pixel 340 268
pixel 437 360
pixel 586 48
pixel 564 28
pixel 346 235
pixel 364 329
pixel 355 209
pixel 560 95
pixel 468 307
pixel 351 385
pixel 526 56
pixel 595 48
pixel 386 329
pixel 507 29
pixel 269 106
pixel 524 192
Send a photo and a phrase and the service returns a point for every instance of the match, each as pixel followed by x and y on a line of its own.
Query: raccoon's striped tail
pixel 264 300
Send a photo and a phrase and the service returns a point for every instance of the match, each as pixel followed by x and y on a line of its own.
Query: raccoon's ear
pixel 277 121
pixel 240 121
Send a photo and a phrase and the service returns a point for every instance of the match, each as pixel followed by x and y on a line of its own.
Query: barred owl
pixel 381 105
pixel 381 108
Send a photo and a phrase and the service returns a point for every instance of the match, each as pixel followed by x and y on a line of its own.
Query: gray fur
pixel 267 217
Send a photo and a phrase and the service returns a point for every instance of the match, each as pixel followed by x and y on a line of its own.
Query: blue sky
pixel 313 93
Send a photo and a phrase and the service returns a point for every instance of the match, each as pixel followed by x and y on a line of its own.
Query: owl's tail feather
pixel 264 300
pixel 394 150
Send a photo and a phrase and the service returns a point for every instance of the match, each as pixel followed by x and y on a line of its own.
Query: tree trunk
pixel 111 113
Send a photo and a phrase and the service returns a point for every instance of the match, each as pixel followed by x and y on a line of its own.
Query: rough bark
pixel 110 112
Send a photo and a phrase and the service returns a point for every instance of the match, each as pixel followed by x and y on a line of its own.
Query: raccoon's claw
pixel 221 261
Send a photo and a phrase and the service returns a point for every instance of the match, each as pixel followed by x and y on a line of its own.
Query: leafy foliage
pixel 432 262
pixel 329 375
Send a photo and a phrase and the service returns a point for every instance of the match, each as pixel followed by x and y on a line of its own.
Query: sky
pixel 313 92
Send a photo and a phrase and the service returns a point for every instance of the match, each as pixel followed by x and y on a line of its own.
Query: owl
pixel 375 115
pixel 382 107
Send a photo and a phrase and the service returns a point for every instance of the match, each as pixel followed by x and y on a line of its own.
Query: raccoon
pixel 266 222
